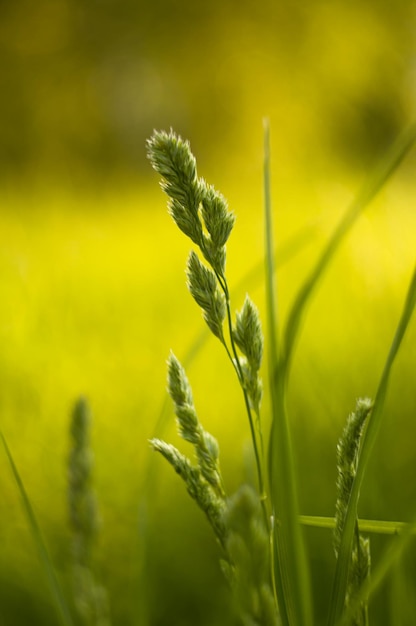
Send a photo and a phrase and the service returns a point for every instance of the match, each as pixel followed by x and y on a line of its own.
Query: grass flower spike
pixel 197 208
pixel 190 429
pixel 203 286
pixel 203 481
pixel 248 337
pixel 90 598
pixel 202 213
pixel 173 160
pixel 348 451
pixel 248 547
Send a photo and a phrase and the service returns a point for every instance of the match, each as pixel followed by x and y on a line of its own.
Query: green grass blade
pixel 380 176
pixel 54 586
pixel 292 576
pixel 341 572
pixel 377 527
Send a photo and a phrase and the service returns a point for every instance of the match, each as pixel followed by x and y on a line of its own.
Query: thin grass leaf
pixel 341 572
pixel 377 527
pixel 292 576
pixel 45 559
pixel 380 176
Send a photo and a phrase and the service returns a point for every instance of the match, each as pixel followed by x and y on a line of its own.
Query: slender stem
pixel 292 575
pixel 259 462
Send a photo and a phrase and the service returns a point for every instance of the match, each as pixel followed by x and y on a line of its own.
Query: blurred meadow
pixel 92 283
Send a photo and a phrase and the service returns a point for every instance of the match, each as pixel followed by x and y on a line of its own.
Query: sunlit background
pixel 92 284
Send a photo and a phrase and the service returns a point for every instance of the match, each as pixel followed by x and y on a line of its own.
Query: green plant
pixel 259 531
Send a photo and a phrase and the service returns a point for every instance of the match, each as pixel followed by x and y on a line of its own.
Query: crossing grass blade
pixel 376 527
pixel 341 571
pixel 292 575
pixel 45 559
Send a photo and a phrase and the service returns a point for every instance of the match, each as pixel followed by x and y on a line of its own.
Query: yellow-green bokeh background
pixel 92 285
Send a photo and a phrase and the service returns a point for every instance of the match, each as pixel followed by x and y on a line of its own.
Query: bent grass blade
pixel 45 559
pixel 380 176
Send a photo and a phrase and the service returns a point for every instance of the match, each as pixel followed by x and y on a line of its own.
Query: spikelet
pixel 203 481
pixel 348 451
pixel 90 598
pixel 248 569
pixel 248 336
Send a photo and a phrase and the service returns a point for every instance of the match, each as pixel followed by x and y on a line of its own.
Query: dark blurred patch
pixel 361 129
pixel 84 84
pixel 23 606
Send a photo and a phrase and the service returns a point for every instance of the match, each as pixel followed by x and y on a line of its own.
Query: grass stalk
pixel 378 527
pixel 292 576
pixel 256 433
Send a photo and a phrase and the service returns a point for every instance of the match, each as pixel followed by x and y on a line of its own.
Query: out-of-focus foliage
pixel 83 83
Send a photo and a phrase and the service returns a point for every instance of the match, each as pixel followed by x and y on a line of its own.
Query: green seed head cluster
pixel 90 598
pixel 198 209
pixel 190 429
pixel 203 481
pixel 358 574
pixel 197 486
pixel 248 336
pixel 348 451
pixel 203 286
pixel 347 459
pixel 202 214
pixel 172 158
pixel 82 503
pixel 249 568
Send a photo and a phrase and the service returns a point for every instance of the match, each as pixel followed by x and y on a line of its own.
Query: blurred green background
pixel 92 286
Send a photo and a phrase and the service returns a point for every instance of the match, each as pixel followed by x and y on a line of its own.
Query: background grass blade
pixel 341 572
pixel 382 173
pixel 292 576
pixel 54 586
